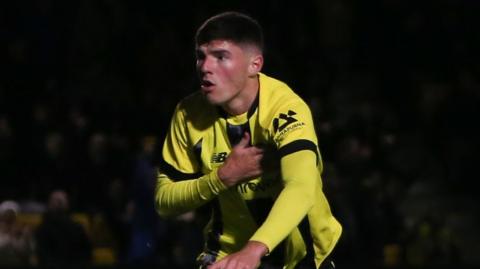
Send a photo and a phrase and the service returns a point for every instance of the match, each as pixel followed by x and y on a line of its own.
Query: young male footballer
pixel 215 154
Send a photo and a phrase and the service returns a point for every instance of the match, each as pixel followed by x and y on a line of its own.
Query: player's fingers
pixel 245 141
pixel 255 151
pixel 258 158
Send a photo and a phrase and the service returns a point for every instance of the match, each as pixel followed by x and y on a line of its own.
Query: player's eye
pixel 220 55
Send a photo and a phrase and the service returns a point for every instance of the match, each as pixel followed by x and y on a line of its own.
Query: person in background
pixel 15 239
pixel 61 242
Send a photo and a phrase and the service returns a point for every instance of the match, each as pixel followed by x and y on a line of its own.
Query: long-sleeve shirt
pixel 267 209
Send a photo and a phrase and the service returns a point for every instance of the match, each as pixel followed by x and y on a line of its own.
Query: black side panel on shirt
pixel 197 150
pixel 259 209
pixel 308 261
pixel 174 174
pixel 213 236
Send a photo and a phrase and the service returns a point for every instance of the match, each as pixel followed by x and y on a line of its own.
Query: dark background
pixel 87 89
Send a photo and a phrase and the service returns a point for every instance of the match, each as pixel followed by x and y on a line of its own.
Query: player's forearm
pixel 292 205
pixel 173 198
pixel 283 218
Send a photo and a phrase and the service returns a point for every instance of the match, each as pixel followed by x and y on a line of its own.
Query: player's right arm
pixel 180 185
pixel 181 188
pixel 176 197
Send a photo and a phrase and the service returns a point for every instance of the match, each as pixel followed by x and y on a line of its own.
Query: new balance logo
pixel 284 119
pixel 219 157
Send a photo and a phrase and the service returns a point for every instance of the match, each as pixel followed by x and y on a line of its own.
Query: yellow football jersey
pixel 268 209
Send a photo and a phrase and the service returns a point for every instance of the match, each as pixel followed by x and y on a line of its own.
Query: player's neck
pixel 244 100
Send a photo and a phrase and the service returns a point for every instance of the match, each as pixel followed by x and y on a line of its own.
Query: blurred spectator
pixel 61 242
pixel 430 244
pixel 185 235
pixel 148 244
pixel 117 211
pixel 15 240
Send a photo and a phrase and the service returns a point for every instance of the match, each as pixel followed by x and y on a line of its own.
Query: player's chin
pixel 212 100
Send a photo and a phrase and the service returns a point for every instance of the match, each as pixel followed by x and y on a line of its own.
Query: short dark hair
pixel 233 26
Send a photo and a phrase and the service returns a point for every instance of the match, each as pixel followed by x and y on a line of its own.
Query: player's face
pixel 223 70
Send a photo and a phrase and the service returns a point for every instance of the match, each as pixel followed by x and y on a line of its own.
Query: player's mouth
pixel 206 85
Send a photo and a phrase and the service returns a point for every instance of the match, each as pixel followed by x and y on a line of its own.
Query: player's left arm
pixel 299 174
pixel 294 134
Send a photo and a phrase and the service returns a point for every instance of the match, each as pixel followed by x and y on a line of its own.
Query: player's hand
pixel 243 163
pixel 247 258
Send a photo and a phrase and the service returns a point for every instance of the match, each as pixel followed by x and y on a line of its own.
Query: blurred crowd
pixel 87 89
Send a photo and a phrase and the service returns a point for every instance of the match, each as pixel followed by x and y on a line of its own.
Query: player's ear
pixel 256 64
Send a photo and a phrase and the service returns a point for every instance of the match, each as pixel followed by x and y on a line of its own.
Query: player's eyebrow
pixel 215 52
pixel 220 52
